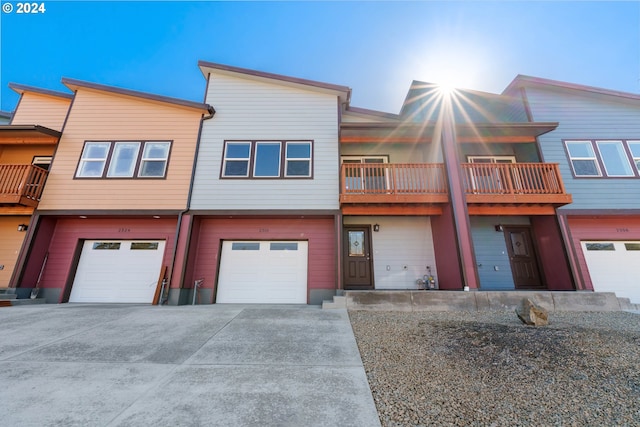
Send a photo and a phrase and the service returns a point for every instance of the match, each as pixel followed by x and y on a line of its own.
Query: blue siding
pixel 491 251
pixel 586 116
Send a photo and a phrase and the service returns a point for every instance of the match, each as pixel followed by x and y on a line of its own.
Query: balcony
pixel 21 185
pixel 491 188
pixel 514 183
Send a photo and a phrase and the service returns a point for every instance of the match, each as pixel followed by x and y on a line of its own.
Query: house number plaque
pixel 263 230
pixel 124 230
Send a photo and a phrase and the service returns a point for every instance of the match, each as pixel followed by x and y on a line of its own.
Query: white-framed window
pixel 265 159
pixel 614 158
pixel 298 159
pixel 154 160
pixel 237 156
pixel 634 148
pixel 583 158
pixel 124 159
pixel 93 159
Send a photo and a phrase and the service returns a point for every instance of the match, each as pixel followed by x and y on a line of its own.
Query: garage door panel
pixel 613 267
pixel 117 272
pixel 263 272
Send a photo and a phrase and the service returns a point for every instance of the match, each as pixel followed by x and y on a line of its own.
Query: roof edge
pixel 376 113
pixel 71 83
pixel 20 88
pixel 37 128
pixel 271 76
pixel 522 80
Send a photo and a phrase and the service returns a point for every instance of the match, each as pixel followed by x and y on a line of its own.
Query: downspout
pixel 174 254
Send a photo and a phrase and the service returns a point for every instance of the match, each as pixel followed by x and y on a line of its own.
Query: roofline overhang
pixel 521 81
pixel 34 134
pixel 20 89
pixel 521 132
pixel 343 92
pixel 74 84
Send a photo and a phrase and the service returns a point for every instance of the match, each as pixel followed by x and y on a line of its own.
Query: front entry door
pixel 357 257
pixel 524 264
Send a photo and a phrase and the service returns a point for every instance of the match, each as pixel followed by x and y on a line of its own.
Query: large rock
pixel 532 314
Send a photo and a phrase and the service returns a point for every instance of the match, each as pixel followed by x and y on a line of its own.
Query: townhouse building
pixel 597 145
pixel 28 140
pixel 108 226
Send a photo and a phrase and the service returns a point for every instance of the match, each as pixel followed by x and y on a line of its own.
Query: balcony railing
pixel 21 184
pixel 512 179
pixel 393 183
pixel 497 183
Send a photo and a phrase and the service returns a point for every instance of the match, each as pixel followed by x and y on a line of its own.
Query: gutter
pixel 212 113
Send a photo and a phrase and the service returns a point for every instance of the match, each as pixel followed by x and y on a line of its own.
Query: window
pixel 298 159
pixel 267 163
pixel 600 247
pixel 267 159
pixel 110 246
pixel 154 159
pixel 124 159
pixel 144 246
pixel 634 147
pixel 245 246
pixel 236 159
pixel 583 158
pixel 614 158
pixel 604 158
pixel 93 159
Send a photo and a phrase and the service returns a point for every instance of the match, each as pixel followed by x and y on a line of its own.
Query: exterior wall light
pixel 376 227
pixel 23 227
pixel 498 227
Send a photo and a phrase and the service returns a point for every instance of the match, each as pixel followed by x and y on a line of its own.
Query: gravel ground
pixel 488 369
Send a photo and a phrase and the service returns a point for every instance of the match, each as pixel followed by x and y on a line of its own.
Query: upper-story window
pixel 634 147
pixel 267 159
pixel 608 158
pixel 124 159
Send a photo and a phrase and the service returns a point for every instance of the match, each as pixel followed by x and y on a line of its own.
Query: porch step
pixel 436 300
pixel 7 291
pixel 28 301
pixel 626 304
pixel 337 303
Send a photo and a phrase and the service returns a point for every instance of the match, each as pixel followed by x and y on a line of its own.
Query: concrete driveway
pixel 216 365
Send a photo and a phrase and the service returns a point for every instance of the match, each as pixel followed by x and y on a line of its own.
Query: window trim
pixel 253 144
pixel 599 160
pixel 138 162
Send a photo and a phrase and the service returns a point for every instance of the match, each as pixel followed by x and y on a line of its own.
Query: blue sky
pixel 376 48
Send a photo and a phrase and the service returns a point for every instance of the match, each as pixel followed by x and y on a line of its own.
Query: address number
pixel 30 8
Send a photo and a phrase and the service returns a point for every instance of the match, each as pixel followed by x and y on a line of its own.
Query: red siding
pixel 446 251
pixel 69 232
pixel 319 232
pixel 600 228
pixel 553 260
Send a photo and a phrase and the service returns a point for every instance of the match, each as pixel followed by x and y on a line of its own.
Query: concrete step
pixel 8 296
pixel 437 300
pixel 28 301
pixel 7 291
pixel 338 302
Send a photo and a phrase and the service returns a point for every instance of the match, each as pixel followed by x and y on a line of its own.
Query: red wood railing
pixel 21 184
pixel 512 178
pixel 393 178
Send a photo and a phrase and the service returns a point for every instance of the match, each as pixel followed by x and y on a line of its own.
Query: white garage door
pixel 263 273
pixel 118 271
pixel 614 267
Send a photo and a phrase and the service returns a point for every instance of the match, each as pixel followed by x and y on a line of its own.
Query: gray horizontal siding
pixel 250 110
pixel 583 116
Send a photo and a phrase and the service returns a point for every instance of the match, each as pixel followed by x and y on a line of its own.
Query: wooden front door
pixel 357 257
pixel 524 263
